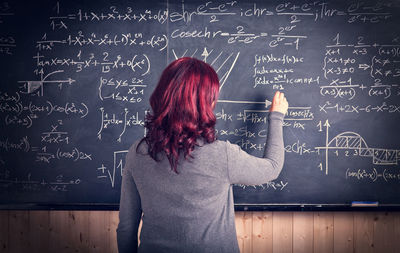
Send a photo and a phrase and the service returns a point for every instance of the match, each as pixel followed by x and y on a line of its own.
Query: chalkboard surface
pixel 77 76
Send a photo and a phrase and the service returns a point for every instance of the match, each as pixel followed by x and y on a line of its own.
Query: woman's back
pixel 187 212
pixel 193 210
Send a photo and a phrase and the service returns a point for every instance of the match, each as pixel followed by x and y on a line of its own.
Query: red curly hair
pixel 182 109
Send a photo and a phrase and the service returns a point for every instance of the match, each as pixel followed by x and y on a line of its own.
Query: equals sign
pixel 71 16
pixel 263 34
pixel 224 34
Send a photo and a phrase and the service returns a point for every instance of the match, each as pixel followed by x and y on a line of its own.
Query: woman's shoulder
pixel 226 146
pixel 138 147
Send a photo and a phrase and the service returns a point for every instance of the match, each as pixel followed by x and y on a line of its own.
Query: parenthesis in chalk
pixel 148 65
pixel 389 93
pixel 20 108
pixel 77 152
pixel 65 108
pixel 347 173
pixel 18 96
pixel 324 68
pixel 321 89
pixel 354 93
pixel 7 144
pixel 51 107
pixel 87 110
pixel 337 93
pixel 57 153
pixel 30 122
pixel 166 42
pixel 152 41
pixel 384 175
pixel 375 175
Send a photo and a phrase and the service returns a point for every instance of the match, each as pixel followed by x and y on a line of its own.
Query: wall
pixel 276 232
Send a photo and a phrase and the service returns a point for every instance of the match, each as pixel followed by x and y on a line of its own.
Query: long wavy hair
pixel 182 109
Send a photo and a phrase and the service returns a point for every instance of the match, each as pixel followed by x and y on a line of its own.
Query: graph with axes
pixel 31 86
pixel 353 141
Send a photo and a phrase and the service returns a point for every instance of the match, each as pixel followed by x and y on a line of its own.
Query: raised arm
pixel 250 170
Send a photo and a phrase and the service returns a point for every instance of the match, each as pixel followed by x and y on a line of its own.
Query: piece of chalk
pixel 267 103
pixel 364 203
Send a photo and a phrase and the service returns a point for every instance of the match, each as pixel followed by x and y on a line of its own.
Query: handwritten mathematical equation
pixel 240 34
pixel 55 136
pixel 217 11
pixel 105 40
pixel 261 116
pixel 124 90
pixel 372 175
pixel 275 186
pixel 118 165
pixel 11 145
pixel 377 67
pixel 316 11
pixel 281 81
pixel 348 108
pixel 346 89
pixel 126 120
pixel 136 63
pixel 342 62
pixel 69 108
pixel 279 71
pixel 128 14
pixel 24 115
pixel 29 184
pixel 73 154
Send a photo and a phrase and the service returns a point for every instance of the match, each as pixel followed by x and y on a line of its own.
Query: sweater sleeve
pixel 130 211
pixel 244 168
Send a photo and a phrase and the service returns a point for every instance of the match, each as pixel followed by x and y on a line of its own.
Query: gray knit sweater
pixel 192 211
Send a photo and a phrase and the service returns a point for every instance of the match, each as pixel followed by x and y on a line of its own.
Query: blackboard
pixel 77 76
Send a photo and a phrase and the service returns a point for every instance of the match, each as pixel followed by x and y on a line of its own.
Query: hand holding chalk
pixel 279 103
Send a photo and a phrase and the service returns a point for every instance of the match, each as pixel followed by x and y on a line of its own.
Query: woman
pixel 180 177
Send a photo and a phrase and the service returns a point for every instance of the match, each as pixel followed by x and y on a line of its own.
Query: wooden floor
pixel 276 232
